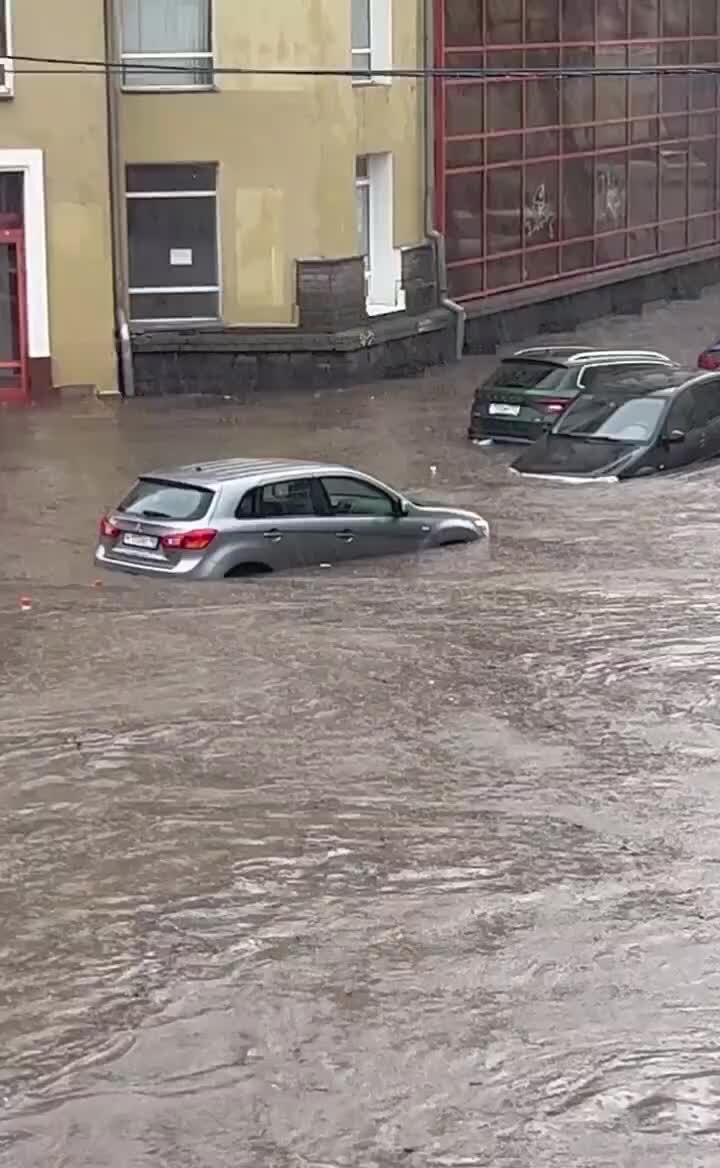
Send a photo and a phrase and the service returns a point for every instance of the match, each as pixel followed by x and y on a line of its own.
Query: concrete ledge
pixel 503 319
pixel 237 363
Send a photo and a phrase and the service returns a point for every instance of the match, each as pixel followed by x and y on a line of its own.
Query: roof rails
pixel 578 354
pixel 546 349
pixel 614 354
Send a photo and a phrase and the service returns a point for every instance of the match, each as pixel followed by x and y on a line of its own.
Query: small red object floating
pixel 26 603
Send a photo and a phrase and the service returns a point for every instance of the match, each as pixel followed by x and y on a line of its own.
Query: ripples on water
pixel 412 864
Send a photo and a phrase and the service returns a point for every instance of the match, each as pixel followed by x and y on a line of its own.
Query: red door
pixel 14 372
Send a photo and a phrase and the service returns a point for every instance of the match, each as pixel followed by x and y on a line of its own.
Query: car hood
pixel 442 508
pixel 435 510
pixel 577 457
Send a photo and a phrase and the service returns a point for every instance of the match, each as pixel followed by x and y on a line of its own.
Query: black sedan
pixel 658 420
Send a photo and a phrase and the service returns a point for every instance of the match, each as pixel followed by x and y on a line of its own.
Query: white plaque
pixel 181 257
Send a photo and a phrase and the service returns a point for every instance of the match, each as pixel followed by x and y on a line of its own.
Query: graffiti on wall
pixel 539 214
pixel 610 197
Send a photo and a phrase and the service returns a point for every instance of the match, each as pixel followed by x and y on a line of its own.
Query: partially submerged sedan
pixel 241 517
pixel 657 420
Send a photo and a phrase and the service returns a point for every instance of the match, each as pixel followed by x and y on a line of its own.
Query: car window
pixel 705 404
pixel 517 374
pixel 603 376
pixel 620 419
pixel 155 499
pixel 278 500
pixel 348 496
pixel 681 415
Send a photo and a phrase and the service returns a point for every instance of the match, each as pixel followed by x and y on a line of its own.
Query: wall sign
pixel 181 257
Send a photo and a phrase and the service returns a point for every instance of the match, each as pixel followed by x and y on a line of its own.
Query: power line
pixel 57 66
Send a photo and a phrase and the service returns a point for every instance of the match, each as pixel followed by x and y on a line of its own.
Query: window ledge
pixel 145 89
pixel 371 82
pixel 386 309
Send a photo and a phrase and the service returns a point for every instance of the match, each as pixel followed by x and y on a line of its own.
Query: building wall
pixel 546 180
pixel 64 116
pixel 286 146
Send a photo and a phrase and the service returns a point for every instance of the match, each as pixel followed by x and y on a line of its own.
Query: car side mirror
pixel 403 507
pixel 675 437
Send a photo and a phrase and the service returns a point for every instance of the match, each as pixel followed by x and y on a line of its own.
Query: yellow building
pixel 246 224
pixel 56 298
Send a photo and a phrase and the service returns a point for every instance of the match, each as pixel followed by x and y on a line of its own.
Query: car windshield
pixel 153 499
pixel 516 374
pixel 617 419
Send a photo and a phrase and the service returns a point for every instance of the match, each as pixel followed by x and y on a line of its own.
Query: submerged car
pixel 241 517
pixel 535 386
pixel 656 420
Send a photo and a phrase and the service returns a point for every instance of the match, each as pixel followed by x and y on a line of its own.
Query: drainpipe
pixel 427 24
pixel 117 200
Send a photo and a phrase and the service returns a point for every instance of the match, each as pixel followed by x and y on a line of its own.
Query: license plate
pixel 505 411
pixel 140 541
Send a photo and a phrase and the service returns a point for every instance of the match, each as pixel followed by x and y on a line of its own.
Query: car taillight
pixel 709 361
pixel 553 407
pixel 108 529
pixel 189 541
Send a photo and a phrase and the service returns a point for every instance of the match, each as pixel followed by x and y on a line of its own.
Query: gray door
pixel 366 520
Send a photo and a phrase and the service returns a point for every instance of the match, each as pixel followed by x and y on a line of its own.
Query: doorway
pixel 14 372
pixel 14 364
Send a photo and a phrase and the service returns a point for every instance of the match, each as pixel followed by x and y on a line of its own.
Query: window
pixel 154 499
pixel 167 44
pixel 362 206
pixel 6 69
pixel 511 374
pixel 278 500
pixel 681 415
pixel 172 242
pixel 706 404
pixel 617 419
pixel 599 377
pixel 361 40
pixel 375 233
pixel 349 496
pixel 12 210
pixel 544 177
pixel 371 39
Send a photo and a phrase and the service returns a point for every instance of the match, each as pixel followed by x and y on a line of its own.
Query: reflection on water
pixel 413 863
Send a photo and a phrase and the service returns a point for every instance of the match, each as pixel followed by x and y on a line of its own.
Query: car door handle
pixel 345 536
pixel 273 535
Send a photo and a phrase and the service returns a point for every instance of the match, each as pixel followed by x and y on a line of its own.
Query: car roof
pixel 251 471
pixel 568 355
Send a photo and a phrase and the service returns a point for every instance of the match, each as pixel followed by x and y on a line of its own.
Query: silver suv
pixel 241 517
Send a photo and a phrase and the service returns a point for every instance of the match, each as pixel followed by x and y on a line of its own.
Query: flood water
pixel 412 863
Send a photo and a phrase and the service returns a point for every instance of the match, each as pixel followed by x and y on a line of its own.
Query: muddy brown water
pixel 412 863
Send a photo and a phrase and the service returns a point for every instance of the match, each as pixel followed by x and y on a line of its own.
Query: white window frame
pixel 185 288
pixel 148 58
pixel 380 48
pixel 384 290
pixel 7 86
pixel 362 183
